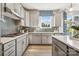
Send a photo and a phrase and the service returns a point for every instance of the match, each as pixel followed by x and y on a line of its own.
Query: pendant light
pixel 71 9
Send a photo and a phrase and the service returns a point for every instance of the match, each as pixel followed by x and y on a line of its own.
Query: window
pixel 45 19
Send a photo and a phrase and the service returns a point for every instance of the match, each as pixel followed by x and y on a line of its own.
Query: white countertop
pixel 43 32
pixel 70 41
pixel 7 39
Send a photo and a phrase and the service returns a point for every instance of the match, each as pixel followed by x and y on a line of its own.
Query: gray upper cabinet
pixel 34 18
pixel 27 18
pixel 57 19
pixel 0 11
pixel 10 5
pixel 0 19
pixel 17 8
pixel 22 11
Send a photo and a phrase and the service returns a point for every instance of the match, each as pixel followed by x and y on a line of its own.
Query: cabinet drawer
pixel 8 45
pixel 59 52
pixel 9 51
pixel 60 44
pixel 13 54
pixel 72 52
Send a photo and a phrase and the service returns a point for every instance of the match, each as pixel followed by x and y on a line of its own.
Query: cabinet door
pixel 27 18
pixel 17 7
pixel 0 18
pixel 10 5
pixel 0 10
pixel 57 18
pixel 46 39
pixel 9 51
pixel 59 52
pixel 72 52
pixel 34 18
pixel 24 44
pixel 35 39
pixel 22 11
pixel 19 47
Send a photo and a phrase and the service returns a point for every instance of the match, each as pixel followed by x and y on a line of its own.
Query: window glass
pixel 45 21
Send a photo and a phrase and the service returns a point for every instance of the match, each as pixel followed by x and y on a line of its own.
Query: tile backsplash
pixel 8 26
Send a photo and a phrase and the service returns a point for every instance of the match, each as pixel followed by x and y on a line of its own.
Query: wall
pixel 8 26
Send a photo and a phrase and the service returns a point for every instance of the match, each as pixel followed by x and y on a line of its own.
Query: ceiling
pixel 49 6
pixel 45 6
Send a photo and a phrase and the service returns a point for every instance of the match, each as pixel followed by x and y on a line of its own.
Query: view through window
pixel 45 21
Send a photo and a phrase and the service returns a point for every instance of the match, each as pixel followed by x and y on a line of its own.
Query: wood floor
pixel 39 50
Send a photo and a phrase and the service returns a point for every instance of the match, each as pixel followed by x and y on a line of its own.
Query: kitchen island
pixel 64 45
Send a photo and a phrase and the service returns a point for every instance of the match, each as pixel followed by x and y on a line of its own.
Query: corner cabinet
pixel 34 18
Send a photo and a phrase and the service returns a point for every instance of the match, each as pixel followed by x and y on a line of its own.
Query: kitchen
pixel 48 30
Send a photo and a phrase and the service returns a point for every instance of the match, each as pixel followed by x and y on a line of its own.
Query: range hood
pixel 11 13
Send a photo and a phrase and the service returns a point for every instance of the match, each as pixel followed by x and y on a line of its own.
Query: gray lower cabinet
pixel 46 39
pixel 15 47
pixel 21 45
pixel 59 52
pixel 0 49
pixel 61 49
pixel 35 38
pixel 9 48
pixel 40 38
pixel 24 42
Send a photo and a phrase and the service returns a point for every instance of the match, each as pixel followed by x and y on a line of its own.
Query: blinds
pixel 46 13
